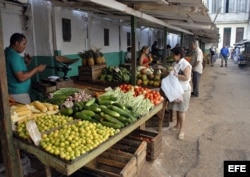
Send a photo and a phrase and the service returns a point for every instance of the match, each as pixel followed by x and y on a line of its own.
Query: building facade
pixel 232 17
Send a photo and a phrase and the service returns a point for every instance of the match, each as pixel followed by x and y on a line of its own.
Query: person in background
pixel 177 45
pixel 212 55
pixel 128 55
pixel 18 76
pixel 156 52
pixel 145 57
pixel 237 53
pixel 182 70
pixel 197 67
pixel 224 52
pixel 168 51
pixel 217 51
pixel 232 53
pixel 154 49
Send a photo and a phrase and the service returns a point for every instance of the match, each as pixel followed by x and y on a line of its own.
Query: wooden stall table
pixel 69 167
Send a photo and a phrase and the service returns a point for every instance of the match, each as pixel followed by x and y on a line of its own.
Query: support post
pixel 182 39
pixel 133 49
pixel 10 156
pixel 165 39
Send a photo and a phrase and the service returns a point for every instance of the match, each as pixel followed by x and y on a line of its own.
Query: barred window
pixel 236 6
pixel 227 37
pixel 239 34
pixel 228 6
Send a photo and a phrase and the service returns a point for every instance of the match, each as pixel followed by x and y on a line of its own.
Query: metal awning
pixel 189 16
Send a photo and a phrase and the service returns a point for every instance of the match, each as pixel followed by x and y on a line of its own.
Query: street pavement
pixel 217 127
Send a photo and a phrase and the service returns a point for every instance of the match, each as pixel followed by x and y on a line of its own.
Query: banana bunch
pixel 34 109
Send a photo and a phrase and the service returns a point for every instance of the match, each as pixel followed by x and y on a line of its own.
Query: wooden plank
pixel 112 162
pixel 154 142
pixel 100 172
pixel 130 142
pixel 124 147
pixel 141 149
pixel 48 171
pixel 10 155
pixel 161 115
pixel 117 157
pixel 94 67
pixel 90 73
pixel 125 9
pixel 120 152
pixel 111 167
pixel 129 170
pixel 67 168
pixel 108 168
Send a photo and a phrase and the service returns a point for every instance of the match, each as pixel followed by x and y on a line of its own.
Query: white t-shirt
pixel 180 67
pixel 198 57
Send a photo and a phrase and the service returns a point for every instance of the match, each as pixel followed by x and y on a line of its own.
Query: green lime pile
pixel 44 123
pixel 74 140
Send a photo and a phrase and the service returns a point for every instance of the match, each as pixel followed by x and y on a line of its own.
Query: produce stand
pixel 69 167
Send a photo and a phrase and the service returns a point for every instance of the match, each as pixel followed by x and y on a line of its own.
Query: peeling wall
pixel 40 23
pixel 78 31
pixel 97 36
pixel 13 14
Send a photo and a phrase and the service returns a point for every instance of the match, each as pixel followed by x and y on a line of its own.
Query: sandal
pixel 181 136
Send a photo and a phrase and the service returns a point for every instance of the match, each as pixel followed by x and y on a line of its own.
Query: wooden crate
pixel 64 84
pixel 154 142
pixel 138 148
pixel 154 121
pixel 113 163
pixel 45 87
pixel 89 73
pixel 121 160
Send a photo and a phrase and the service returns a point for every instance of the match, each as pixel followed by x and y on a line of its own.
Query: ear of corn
pixel 22 108
pixel 20 113
pixel 40 106
pixel 55 107
pixel 23 113
pixel 16 118
pixel 49 106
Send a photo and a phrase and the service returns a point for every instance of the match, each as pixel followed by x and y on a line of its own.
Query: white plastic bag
pixel 172 88
pixel 33 132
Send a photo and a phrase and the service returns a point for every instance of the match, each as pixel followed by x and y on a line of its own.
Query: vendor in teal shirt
pixel 18 76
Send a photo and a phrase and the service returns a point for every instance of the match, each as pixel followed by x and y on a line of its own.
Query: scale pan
pixel 64 60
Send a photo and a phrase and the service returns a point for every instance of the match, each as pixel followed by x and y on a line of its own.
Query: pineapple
pixel 102 58
pixel 84 58
pixel 91 61
pixel 98 59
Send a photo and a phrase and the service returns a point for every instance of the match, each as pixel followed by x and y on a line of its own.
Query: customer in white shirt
pixel 196 62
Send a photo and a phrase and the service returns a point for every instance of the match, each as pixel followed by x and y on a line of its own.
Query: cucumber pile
pixel 105 110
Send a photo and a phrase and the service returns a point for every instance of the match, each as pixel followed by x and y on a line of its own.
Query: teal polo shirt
pixel 15 63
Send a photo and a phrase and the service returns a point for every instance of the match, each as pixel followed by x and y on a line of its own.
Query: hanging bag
pixel 172 88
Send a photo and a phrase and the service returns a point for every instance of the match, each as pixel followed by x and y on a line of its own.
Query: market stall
pixel 52 118
pixel 68 168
